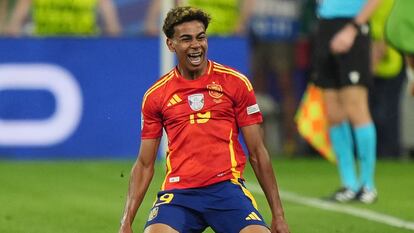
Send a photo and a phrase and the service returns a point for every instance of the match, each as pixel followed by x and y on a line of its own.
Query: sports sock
pixel 366 142
pixel 342 143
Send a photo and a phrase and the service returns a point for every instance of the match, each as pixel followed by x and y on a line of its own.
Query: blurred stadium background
pixel 70 129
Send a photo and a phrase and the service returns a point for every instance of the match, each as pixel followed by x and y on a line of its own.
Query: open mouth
pixel 195 58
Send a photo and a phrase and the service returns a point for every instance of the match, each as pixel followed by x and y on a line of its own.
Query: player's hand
pixel 279 225
pixel 343 40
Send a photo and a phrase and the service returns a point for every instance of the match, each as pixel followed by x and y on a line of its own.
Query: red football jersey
pixel 201 118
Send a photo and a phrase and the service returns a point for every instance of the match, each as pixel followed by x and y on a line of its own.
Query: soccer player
pixel 343 72
pixel 202 105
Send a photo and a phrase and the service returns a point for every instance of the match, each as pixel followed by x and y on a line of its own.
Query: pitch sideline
pixel 353 211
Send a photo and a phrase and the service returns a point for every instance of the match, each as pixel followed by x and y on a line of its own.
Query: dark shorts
pixel 341 70
pixel 225 207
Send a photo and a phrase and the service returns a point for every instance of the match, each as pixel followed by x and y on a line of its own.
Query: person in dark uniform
pixel 342 70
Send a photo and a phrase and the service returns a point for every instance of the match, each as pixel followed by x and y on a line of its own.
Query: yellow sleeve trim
pixel 220 68
pixel 156 86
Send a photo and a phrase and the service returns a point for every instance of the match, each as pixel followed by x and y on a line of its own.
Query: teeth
pixel 194 54
pixel 195 60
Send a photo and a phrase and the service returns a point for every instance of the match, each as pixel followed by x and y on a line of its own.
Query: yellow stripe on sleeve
pixel 156 86
pixel 222 69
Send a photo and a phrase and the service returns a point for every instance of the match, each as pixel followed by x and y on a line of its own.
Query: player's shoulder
pixel 160 84
pixel 231 74
pixel 157 89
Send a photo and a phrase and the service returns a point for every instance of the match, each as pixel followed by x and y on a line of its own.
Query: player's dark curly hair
pixel 183 14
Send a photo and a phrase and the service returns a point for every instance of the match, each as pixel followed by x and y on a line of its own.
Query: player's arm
pixel 151 23
pixel 244 17
pixel 344 39
pixel 18 16
pixel 262 166
pixel 4 5
pixel 141 176
pixel 110 17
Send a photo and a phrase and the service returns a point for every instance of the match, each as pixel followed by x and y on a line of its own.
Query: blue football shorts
pixel 226 207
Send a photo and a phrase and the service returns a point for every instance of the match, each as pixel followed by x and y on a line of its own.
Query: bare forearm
pixel 3 13
pixel 244 17
pixel 152 18
pixel 344 38
pixel 264 172
pixel 366 12
pixel 141 177
pixel 18 16
pixel 153 12
pixel 110 16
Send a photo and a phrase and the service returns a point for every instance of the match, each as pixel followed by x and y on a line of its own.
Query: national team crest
pixel 196 101
pixel 215 90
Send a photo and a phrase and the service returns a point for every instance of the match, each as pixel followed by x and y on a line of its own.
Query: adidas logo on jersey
pixel 174 100
pixel 253 216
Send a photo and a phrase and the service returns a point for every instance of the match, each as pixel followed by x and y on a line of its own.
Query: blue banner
pixel 81 98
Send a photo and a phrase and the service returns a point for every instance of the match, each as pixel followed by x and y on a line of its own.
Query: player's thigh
pixel 355 102
pixel 233 209
pixel 255 229
pixel 172 216
pixel 333 105
pixel 159 228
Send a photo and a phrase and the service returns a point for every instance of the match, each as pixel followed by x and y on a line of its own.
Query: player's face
pixel 190 45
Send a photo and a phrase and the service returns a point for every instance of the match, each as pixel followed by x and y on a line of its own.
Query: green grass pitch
pixel 88 196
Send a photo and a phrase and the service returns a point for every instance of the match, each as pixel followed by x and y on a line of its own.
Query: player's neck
pixel 192 74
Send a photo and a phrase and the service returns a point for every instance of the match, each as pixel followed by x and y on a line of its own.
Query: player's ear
pixel 170 44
